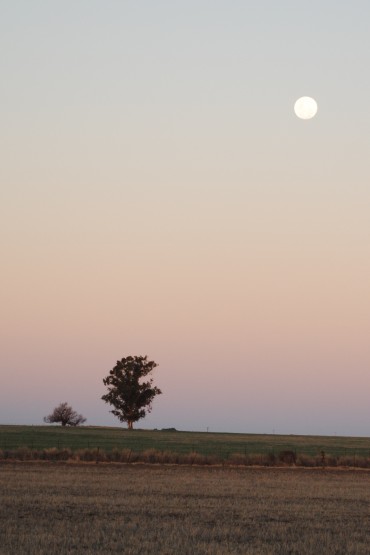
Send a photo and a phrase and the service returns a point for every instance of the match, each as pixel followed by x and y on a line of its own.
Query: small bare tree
pixel 65 414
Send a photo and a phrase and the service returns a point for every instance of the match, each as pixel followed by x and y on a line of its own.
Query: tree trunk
pixel 130 424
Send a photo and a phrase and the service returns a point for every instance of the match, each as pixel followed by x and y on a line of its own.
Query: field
pixel 144 509
pixel 207 444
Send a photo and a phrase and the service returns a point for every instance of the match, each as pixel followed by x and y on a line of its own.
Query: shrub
pixel 22 454
pixel 363 462
pixel 271 459
pixel 257 459
pixel 237 459
pixel 331 460
pixel 91 455
pixel 54 454
pixel 119 455
pixel 305 460
pixel 168 457
pixel 287 457
pixel 197 458
pixel 149 456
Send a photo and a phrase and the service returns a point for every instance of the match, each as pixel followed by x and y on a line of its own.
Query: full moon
pixel 305 107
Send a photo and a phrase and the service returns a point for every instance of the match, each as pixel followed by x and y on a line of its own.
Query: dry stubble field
pixel 58 508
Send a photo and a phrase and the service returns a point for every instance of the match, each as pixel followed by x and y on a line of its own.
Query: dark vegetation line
pixel 153 456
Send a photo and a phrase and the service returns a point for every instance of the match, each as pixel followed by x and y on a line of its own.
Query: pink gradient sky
pixel 159 196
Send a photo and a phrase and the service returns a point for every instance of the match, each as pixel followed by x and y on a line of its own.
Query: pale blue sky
pixel 159 196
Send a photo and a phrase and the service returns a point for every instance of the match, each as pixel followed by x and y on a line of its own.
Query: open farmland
pixel 220 445
pixel 138 509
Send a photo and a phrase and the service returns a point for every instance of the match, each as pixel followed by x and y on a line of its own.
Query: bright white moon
pixel 305 107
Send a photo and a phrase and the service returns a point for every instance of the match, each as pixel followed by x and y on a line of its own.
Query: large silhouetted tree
pixel 129 392
pixel 65 414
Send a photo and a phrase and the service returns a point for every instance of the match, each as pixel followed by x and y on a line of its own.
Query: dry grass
pixel 138 509
pixel 153 456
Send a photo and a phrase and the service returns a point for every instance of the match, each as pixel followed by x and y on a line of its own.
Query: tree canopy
pixel 65 414
pixel 128 391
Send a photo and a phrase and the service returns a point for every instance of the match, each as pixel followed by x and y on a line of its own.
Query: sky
pixel 158 196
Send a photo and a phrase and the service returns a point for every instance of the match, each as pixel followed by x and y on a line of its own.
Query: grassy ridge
pixel 218 444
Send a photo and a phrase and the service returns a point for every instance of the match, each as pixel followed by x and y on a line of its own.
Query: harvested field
pixel 148 509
